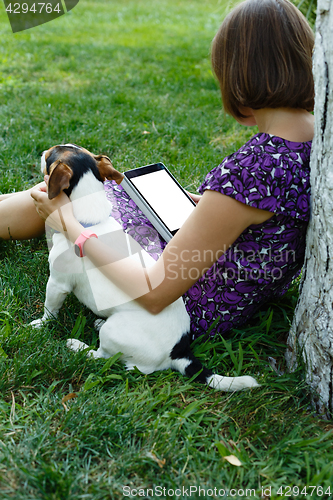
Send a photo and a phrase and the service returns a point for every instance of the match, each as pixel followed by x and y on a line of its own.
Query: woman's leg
pixel 18 217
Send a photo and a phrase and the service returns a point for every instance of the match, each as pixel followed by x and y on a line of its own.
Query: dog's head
pixel 66 164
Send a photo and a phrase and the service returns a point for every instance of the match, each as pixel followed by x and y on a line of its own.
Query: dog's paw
pixel 76 345
pixel 99 323
pixel 37 323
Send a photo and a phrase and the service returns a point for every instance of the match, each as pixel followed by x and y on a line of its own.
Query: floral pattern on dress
pixel 269 173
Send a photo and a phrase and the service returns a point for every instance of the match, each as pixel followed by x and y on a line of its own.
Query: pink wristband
pixel 80 241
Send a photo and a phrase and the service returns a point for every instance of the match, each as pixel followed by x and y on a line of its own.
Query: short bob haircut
pixel 262 57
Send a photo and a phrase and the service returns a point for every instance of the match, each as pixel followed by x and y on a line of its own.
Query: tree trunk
pixel 311 333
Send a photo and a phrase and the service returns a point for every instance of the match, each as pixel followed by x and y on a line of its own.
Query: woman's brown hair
pixel 262 57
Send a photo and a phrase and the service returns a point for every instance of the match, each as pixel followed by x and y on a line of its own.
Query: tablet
pixel 160 197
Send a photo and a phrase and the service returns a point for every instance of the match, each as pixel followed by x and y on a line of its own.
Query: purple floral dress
pixel 269 173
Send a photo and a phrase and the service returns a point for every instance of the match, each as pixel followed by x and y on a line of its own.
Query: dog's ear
pixel 106 170
pixel 60 176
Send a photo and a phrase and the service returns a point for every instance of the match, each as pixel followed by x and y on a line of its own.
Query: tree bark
pixel 311 334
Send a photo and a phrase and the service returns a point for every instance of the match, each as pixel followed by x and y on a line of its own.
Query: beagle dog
pixel 149 342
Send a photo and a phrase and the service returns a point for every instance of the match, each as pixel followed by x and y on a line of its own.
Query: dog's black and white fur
pixel 149 342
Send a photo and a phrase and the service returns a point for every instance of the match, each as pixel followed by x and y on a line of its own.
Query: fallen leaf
pixel 69 396
pixel 233 460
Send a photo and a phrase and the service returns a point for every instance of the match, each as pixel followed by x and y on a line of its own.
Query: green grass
pixel 102 77
pixel 308 8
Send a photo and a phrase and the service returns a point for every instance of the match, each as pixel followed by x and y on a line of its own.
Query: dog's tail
pixel 186 363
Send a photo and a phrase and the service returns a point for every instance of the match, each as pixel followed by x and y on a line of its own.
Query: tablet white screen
pixel 165 197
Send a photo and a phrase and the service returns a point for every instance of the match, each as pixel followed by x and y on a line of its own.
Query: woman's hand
pixel 55 212
pixel 195 197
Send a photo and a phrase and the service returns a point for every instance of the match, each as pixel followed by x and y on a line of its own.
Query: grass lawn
pixel 132 79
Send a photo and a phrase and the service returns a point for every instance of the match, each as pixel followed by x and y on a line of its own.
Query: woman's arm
pixel 212 227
